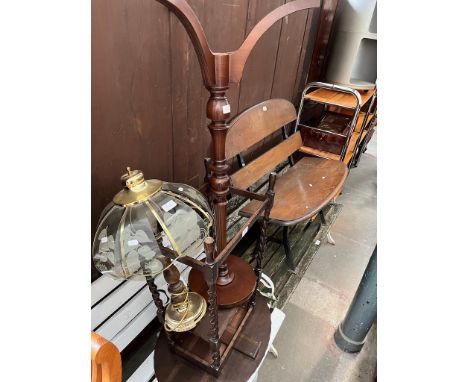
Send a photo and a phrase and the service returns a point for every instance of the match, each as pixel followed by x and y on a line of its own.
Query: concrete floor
pixel 305 344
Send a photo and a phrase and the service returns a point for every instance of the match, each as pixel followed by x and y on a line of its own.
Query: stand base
pixel 238 367
pixel 233 294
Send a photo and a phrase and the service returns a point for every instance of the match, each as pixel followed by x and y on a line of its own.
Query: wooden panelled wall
pixel 148 101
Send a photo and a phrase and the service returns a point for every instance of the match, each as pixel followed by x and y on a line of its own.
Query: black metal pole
pixel 351 333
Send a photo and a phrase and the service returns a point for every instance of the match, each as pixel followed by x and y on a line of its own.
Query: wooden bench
pixel 106 365
pixel 300 193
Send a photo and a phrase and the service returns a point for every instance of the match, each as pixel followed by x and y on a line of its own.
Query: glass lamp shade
pixel 148 224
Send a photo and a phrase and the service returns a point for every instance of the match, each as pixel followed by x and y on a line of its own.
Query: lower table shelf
pixel 238 366
pixel 145 372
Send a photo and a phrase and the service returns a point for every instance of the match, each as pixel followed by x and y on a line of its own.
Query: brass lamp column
pixel 186 308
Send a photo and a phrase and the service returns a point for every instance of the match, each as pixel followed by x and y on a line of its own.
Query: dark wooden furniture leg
pixel 156 299
pixel 284 241
pixel 323 221
pixel 210 278
pixel 160 310
pixel 287 250
pixel 262 241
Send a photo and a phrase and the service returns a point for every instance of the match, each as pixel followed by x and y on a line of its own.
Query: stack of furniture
pixel 336 122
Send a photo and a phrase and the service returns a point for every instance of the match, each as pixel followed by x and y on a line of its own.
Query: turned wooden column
pixel 218 111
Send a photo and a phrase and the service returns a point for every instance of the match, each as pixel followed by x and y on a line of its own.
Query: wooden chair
pixel 106 365
pixel 301 192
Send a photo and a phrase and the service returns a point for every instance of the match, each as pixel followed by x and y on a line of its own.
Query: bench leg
pixel 323 221
pixel 287 250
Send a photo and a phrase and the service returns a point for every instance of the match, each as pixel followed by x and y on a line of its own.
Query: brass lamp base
pixel 236 292
pixel 187 316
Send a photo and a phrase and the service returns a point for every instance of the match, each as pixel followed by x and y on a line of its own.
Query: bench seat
pixel 303 190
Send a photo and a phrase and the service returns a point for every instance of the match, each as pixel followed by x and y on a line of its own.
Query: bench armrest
pixel 106 364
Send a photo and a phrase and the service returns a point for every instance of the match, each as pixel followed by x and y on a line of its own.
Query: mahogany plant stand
pixel 209 345
pixel 219 70
pixel 170 367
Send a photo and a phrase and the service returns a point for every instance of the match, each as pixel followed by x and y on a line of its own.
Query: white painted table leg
pixel 330 239
pixel 273 351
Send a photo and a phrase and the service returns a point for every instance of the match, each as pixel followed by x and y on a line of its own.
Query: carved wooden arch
pixel 211 71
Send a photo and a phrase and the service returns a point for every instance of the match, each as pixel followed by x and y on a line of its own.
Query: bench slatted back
pixel 256 123
pixel 267 162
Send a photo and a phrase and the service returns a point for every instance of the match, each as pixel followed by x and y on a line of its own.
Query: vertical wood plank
pixel 129 40
pixel 259 70
pixel 131 110
pixel 186 85
pixel 310 38
pixel 289 52
pixel 321 49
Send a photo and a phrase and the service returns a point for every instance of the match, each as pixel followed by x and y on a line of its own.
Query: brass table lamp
pixel 150 224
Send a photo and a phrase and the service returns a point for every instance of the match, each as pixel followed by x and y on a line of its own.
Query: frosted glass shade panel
pixel 131 242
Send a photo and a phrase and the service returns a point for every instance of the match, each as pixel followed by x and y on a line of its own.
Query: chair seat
pixel 303 190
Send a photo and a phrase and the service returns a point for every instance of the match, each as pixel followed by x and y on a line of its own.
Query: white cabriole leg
pixel 273 351
pixel 330 239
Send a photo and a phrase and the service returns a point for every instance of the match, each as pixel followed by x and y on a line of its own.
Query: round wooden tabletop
pixel 233 294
